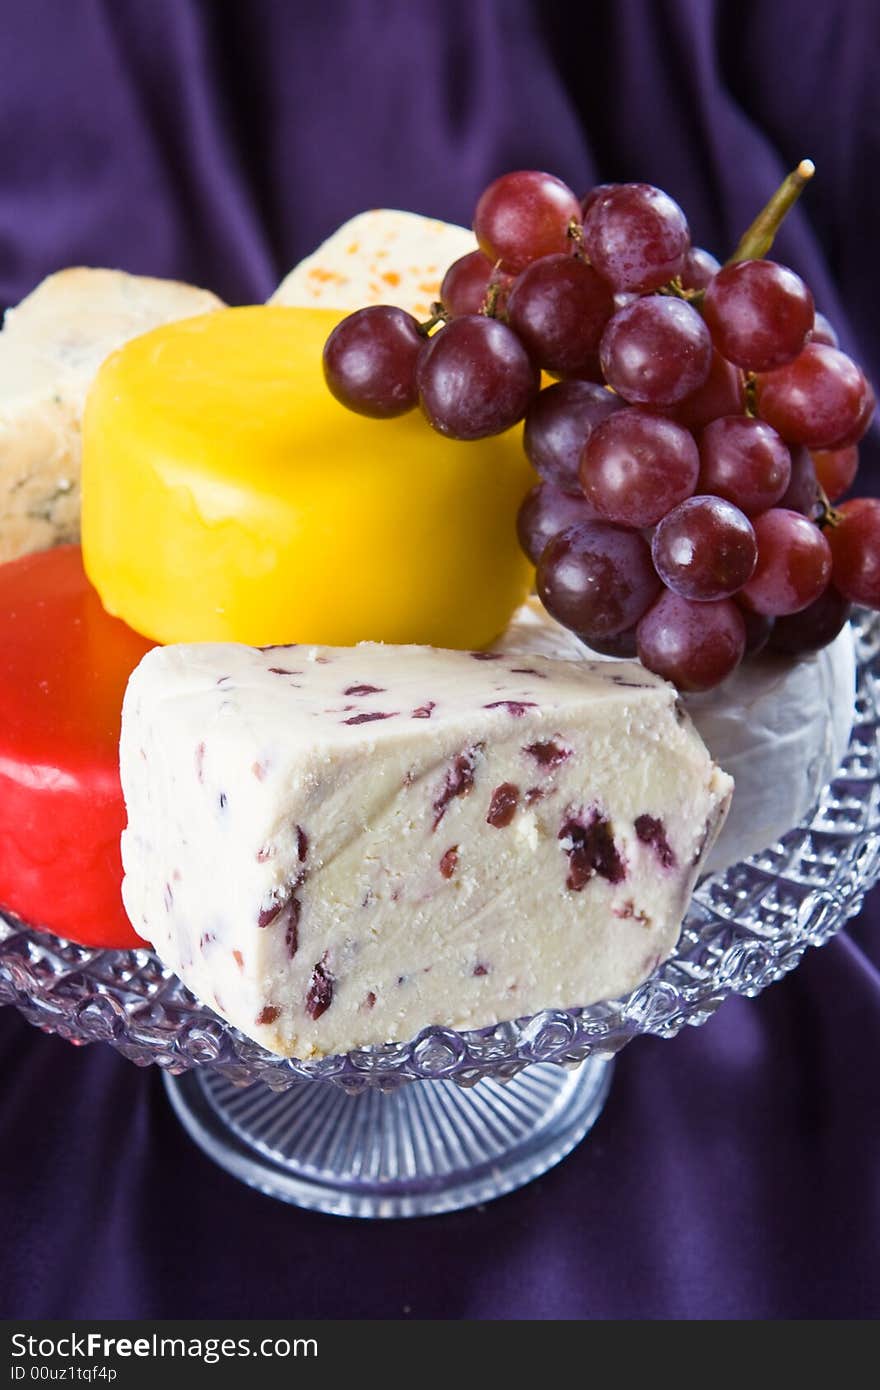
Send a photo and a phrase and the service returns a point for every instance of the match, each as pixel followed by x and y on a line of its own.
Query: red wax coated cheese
pixel 64 664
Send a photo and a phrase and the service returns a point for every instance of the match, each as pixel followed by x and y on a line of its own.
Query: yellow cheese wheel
pixel 228 497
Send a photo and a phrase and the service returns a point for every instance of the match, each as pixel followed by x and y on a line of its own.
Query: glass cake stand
pixel 494 1108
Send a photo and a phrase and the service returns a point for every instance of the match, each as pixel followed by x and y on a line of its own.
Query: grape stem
pixel 575 232
pixel 438 315
pixel 829 515
pixel 493 293
pixel 758 239
pixel 675 290
pixel 751 406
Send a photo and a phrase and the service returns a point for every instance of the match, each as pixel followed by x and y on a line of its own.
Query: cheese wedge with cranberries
pixel 335 847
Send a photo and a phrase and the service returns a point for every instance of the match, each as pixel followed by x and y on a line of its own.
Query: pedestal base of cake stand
pixel 419 1150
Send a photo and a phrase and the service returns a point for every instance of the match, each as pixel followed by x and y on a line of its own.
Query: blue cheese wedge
pixel 335 847
pixel 50 349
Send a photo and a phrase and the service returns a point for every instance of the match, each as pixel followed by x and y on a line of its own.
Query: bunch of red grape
pixel 702 421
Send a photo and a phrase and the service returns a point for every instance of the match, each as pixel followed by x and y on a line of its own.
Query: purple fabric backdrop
pixel 734 1171
pixel 732 1174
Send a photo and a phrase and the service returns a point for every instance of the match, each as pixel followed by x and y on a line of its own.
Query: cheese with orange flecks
pixel 379 257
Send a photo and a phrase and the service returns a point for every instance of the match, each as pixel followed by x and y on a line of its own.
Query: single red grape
pixel 744 461
pixel 699 268
pixel 704 549
pixel 559 307
pixel 370 361
pixel 817 399
pixel 656 351
pixel 694 645
pixel 813 627
pixel 855 547
pixel 466 284
pixel 545 511
pixel 636 467
pixel 559 422
pixel 523 216
pixel 759 314
pixel 722 393
pixel 597 579
pixel 836 470
pixel 794 564
pixel 475 378
pixel 636 236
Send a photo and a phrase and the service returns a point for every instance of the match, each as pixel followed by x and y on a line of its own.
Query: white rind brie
pixel 779 727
